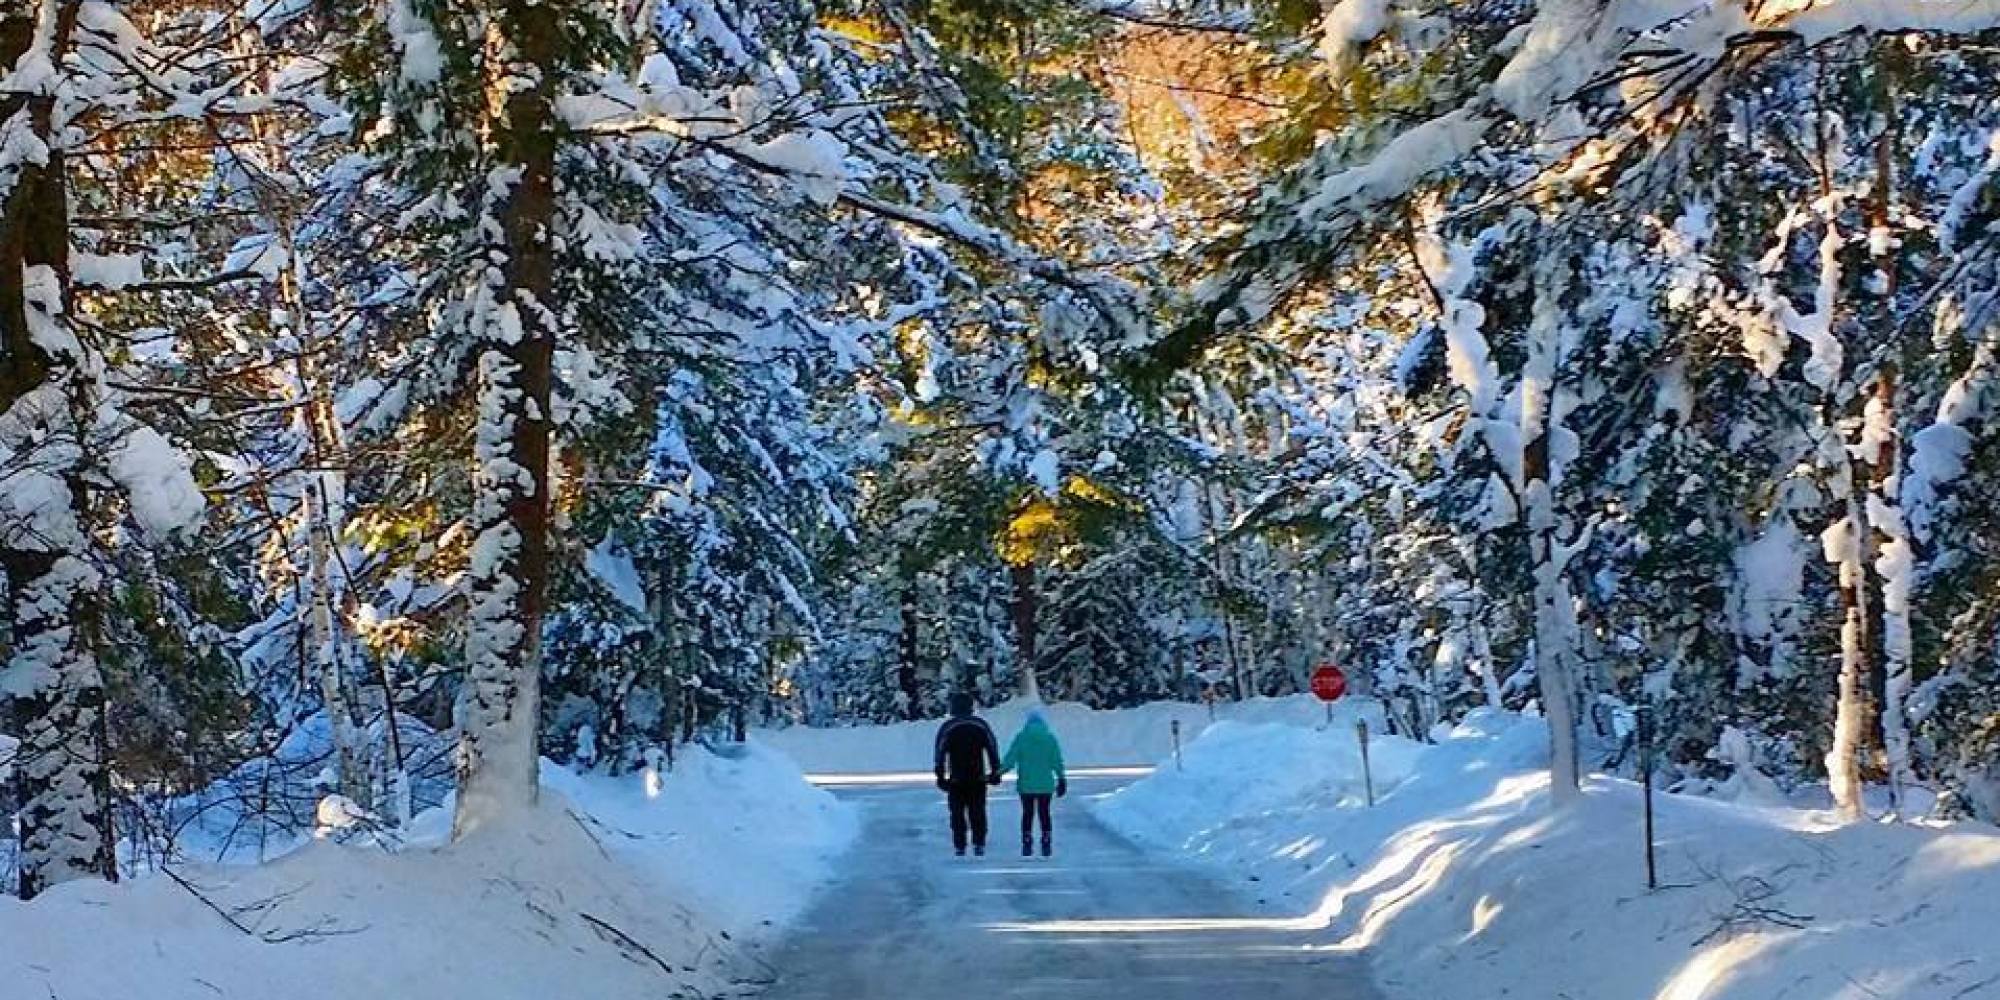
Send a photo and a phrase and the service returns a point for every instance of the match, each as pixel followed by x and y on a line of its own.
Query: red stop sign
pixel 1328 682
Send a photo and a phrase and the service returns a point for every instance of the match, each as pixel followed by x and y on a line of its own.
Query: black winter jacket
pixel 961 743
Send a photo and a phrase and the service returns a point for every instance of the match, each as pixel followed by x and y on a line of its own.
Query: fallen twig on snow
pixel 624 940
pixel 320 930
pixel 1750 910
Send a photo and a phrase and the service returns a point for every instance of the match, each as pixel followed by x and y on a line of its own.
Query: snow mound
pixel 644 886
pixel 739 836
pixel 1140 736
pixel 1258 771
pixel 1463 881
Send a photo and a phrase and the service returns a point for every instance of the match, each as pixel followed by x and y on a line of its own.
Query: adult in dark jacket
pixel 967 761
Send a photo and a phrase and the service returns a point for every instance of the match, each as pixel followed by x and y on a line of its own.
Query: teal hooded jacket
pixel 1037 757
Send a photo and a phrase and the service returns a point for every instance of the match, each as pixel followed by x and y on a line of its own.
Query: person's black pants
pixel 968 812
pixel 1033 806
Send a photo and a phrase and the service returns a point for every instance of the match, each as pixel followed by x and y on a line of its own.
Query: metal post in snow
pixel 1367 776
pixel 1645 714
pixel 1176 726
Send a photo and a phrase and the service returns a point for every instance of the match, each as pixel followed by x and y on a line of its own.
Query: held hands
pixel 993 778
pixel 1062 786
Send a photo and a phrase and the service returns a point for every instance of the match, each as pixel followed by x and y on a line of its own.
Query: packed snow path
pixel 908 921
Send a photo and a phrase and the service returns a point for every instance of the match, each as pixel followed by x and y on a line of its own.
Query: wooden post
pixel 1367 776
pixel 1177 745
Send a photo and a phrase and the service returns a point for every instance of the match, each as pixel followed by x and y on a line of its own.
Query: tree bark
pixel 1895 565
pixel 1548 554
pixel 1896 560
pixel 53 686
pixel 906 669
pixel 1217 514
pixel 323 488
pixel 1554 672
pixel 329 666
pixel 508 586
pixel 322 533
pixel 1024 611
pixel 1843 549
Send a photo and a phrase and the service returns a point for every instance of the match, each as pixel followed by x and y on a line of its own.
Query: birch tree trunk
pixel 350 770
pixel 322 485
pixel 508 578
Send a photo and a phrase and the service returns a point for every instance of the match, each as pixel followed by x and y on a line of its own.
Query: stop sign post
pixel 1329 684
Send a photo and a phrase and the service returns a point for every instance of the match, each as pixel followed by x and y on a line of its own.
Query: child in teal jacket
pixel 1037 757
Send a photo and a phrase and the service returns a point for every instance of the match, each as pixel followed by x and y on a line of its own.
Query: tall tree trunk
pixel 1489 670
pixel 1845 540
pixel 508 579
pixel 1554 635
pixel 676 662
pixel 58 702
pixel 1024 611
pixel 329 666
pixel 322 525
pixel 52 684
pixel 1895 565
pixel 323 485
pixel 906 668
pixel 1548 555
pixel 1480 608
pixel 1896 560
pixel 1843 543
pixel 1217 515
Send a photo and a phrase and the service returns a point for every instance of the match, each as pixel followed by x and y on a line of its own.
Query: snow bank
pixel 1463 882
pixel 613 888
pixel 1090 738
pixel 740 839
pixel 1255 770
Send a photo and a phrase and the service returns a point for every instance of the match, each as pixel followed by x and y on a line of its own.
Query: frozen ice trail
pixel 1100 920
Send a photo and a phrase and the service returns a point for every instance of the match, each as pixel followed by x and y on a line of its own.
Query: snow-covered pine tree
pixel 462 105
pixel 53 685
pixel 1594 109
pixel 80 475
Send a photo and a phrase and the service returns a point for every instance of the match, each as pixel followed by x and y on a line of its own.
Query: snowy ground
pixel 1258 872
pixel 616 888
pixel 1101 920
pixel 1462 882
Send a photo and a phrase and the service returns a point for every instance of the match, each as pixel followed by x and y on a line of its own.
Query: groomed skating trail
pixel 908 921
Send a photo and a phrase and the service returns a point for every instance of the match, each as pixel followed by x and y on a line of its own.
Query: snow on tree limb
pixel 1952 17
